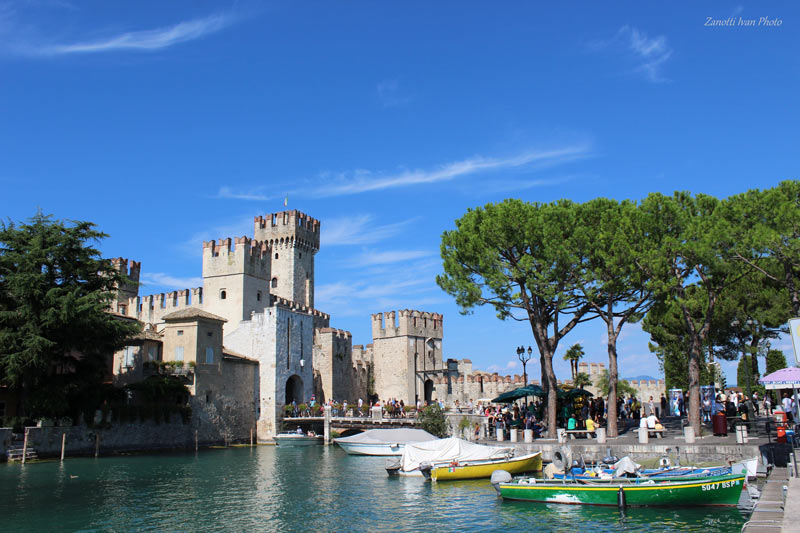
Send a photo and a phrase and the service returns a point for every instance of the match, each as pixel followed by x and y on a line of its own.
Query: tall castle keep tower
pixel 293 239
pixel 407 354
pixel 236 277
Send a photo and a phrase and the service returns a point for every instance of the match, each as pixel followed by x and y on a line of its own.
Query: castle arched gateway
pixel 294 389
pixel 428 390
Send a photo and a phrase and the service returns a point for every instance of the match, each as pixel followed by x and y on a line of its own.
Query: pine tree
pixel 56 336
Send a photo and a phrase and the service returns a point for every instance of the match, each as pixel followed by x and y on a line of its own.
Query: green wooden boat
pixel 715 490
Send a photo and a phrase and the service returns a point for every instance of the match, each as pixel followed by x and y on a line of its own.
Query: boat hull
pixel 514 465
pixel 718 490
pixel 297 440
pixel 364 448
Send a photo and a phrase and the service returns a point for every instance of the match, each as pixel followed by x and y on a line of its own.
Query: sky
pixel 171 123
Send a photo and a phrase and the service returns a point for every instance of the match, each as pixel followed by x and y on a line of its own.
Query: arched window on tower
pixel 223 294
pixel 276 256
pixel 274 283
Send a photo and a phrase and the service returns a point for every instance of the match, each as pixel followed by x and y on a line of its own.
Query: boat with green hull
pixel 722 490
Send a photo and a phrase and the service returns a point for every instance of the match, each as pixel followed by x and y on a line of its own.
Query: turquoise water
pixel 290 489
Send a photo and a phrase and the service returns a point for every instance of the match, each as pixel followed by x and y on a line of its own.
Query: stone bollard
pixel 484 431
pixel 741 434
pixel 528 435
pixel 377 413
pixel 643 435
pixel 688 434
pixel 512 435
pixel 500 437
pixel 601 435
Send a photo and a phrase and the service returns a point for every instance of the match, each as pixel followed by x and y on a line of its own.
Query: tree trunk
pixel 694 385
pixel 550 377
pixel 612 381
pixel 754 361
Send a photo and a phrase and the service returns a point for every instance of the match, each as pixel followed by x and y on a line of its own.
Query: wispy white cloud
pixel 365 181
pixel 648 53
pixel 143 40
pixel 651 52
pixel 359 229
pixel 169 282
pixel 252 194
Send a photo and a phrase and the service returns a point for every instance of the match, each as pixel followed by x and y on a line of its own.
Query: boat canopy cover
pixel 625 466
pixel 448 450
pixel 388 436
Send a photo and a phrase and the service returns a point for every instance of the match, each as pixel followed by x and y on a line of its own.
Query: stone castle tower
pixel 236 275
pixel 293 239
pixel 129 288
pixel 407 354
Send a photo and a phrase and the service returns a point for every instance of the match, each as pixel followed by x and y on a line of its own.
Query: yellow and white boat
pixel 482 469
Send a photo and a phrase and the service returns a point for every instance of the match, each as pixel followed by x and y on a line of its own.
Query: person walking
pixel 663 405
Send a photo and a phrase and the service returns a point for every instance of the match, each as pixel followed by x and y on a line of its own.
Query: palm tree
pixel 582 380
pixel 574 354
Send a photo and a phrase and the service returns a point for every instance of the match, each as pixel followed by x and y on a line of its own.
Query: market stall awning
pixel 521 392
pixel 784 378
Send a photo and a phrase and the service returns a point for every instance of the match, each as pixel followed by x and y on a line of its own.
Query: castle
pixel 249 342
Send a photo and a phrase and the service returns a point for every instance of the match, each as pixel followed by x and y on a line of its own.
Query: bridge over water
pixel 346 424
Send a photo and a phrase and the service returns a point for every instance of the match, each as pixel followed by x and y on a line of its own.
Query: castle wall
pixel 644 388
pixel 404 343
pixel 151 308
pixel 279 339
pixel 333 360
pixel 223 398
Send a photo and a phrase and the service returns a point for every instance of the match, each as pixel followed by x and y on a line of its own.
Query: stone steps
pixel 15 454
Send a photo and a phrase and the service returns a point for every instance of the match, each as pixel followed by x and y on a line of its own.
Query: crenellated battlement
pixel 151 307
pixel 288 229
pixel 241 255
pixel 335 333
pixel 407 322
pixel 294 306
pixel 129 269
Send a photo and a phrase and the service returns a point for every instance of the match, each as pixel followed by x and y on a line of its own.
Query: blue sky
pixel 172 123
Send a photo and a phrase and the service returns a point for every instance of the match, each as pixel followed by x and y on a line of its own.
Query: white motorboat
pixel 297 439
pixel 382 441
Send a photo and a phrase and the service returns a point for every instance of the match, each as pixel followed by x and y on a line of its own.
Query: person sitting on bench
pixel 653 424
pixel 590 427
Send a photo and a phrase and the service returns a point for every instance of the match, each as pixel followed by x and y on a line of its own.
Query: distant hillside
pixel 637 378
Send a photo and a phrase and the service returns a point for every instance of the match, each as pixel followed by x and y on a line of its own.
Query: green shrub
pixel 433 420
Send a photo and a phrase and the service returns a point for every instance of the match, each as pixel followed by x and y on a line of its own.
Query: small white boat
pixel 297 439
pixel 382 441
pixel 748 466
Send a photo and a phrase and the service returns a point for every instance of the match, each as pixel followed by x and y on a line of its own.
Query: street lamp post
pixel 524 357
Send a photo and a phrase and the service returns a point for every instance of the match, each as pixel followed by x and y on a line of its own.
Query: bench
pixel 658 433
pixel 573 432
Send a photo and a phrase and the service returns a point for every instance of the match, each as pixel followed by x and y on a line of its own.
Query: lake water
pixel 317 488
